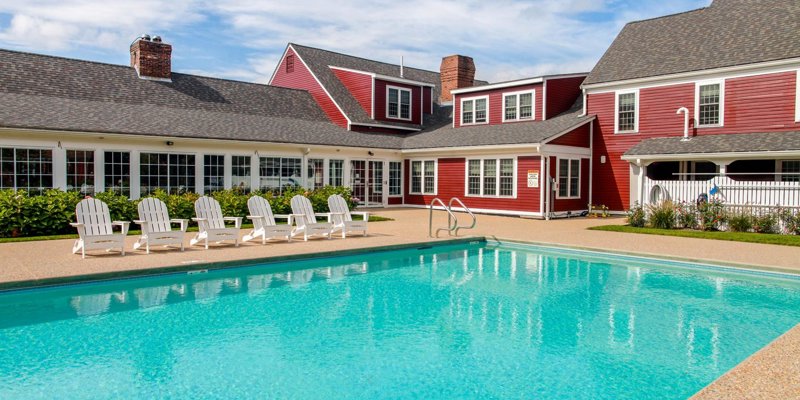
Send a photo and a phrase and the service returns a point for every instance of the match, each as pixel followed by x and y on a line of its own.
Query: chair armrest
pixel 125 225
pixel 295 217
pixel 199 219
pixel 76 224
pixel 287 216
pixel 237 221
pixel 184 223
pixel 364 214
pixel 254 217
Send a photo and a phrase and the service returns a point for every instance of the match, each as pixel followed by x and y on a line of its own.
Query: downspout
pixel 685 112
pixel 548 194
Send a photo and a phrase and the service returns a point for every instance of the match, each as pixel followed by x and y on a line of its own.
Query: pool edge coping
pixel 11 286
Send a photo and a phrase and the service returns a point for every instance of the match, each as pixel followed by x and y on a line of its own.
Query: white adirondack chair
pixel 211 223
pixel 264 222
pixel 341 218
pixel 157 226
pixel 306 220
pixel 94 228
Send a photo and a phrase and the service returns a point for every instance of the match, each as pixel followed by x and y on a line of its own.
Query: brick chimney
pixel 151 58
pixel 456 72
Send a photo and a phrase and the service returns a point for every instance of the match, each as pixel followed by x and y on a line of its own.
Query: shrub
pixel 662 215
pixel 740 222
pixel 687 215
pixel 712 214
pixel 119 206
pixel 791 221
pixel 636 216
pixel 766 223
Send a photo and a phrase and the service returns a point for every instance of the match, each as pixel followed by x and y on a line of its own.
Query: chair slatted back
pixel 94 215
pixel 207 207
pixel 302 205
pixel 155 212
pixel 337 204
pixel 260 206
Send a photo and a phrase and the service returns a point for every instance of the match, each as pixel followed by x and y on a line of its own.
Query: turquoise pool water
pixel 477 320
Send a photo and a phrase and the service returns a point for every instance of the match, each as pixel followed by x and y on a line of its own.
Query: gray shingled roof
pixel 487 135
pixel 54 93
pixel 727 33
pixel 319 61
pixel 725 143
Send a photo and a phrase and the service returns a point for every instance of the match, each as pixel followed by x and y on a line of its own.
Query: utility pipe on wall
pixel 685 112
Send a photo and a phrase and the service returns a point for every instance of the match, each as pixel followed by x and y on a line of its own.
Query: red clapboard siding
pixel 761 103
pixel 496 103
pixel 577 138
pixel 393 201
pixel 561 94
pixel 581 203
pixel 427 100
pixel 380 101
pixel 359 85
pixel 452 178
pixel 301 78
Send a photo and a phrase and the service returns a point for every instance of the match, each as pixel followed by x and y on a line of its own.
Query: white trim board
pixel 385 77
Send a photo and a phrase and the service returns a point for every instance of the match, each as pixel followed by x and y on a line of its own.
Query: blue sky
pixel 243 39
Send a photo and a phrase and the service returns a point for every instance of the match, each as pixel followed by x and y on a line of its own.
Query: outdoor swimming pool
pixel 479 320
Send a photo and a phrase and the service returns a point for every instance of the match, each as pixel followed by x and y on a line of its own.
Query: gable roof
pixel 722 143
pixel 55 93
pixel 727 33
pixel 319 62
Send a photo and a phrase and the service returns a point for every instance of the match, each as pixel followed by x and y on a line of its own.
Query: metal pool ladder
pixel 452 220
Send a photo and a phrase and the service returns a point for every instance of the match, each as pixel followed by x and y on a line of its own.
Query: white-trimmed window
pixel 316 169
pixel 423 177
pixel 518 106
pixel 26 169
pixel 475 110
pixel 336 172
pixel 240 173
pixel 173 173
pixel 709 100
pixel 626 112
pixel 277 173
pixel 569 178
pixel 398 103
pixel 80 171
pixel 213 173
pixel 395 178
pixel 491 177
pixel 117 167
pixel 790 170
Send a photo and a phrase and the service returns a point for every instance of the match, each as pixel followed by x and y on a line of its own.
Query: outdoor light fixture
pixel 170 142
pixel 370 153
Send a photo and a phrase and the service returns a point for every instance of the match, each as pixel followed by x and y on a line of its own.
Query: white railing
pixel 729 191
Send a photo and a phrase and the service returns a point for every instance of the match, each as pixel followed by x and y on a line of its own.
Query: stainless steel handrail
pixel 468 211
pixel 452 220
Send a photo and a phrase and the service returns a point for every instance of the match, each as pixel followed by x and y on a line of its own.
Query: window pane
pixel 490 177
pixel 241 172
pixel 789 168
pixel 708 114
pixel 430 177
pixel 507 177
pixel 291 172
pixel 315 173
pixel 213 173
pixel 563 178
pixel 511 107
pixel 480 110
pixel 117 168
pixel 466 112
pixel 627 112
pixel 574 177
pixel 395 180
pixel 80 171
pixel 526 106
pixel 474 177
pixel 392 103
pixel 336 173
pixel 405 104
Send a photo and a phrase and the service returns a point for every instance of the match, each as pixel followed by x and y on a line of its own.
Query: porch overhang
pixel 721 147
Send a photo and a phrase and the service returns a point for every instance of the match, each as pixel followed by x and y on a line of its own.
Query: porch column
pixel 723 166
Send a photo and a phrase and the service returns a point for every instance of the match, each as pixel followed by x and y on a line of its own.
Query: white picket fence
pixel 732 193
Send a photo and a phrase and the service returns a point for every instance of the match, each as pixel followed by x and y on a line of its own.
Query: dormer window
pixel 518 106
pixel 289 63
pixel 398 103
pixel 473 111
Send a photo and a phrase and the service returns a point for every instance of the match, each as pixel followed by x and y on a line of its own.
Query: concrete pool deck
pixel 30 263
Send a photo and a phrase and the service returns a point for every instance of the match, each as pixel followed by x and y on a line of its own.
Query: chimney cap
pixel 157 39
pixel 145 37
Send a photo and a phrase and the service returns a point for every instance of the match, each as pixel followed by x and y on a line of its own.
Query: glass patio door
pixel 366 182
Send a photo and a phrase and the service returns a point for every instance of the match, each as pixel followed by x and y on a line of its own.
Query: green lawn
pixel 783 240
pixel 372 218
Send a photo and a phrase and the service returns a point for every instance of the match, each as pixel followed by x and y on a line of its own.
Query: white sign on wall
pixel 533 178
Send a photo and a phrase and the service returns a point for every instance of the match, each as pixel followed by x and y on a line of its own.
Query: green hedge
pixel 50 213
